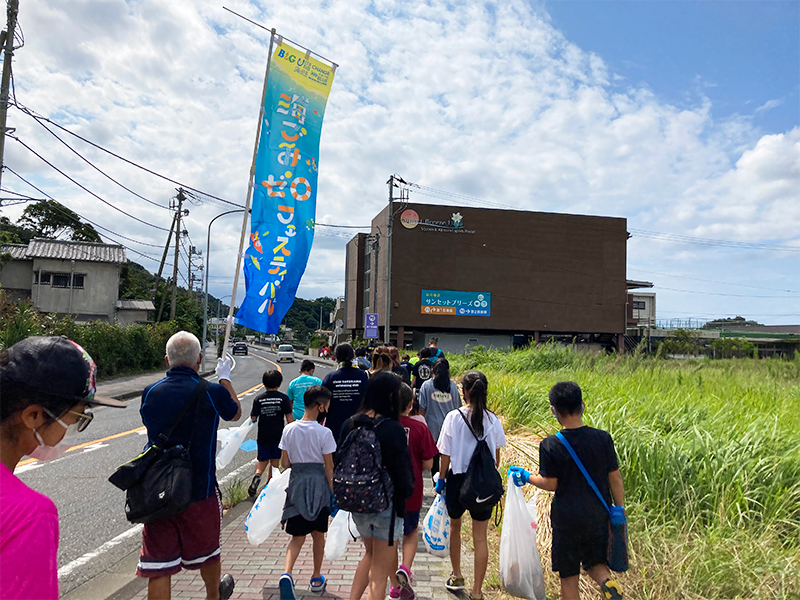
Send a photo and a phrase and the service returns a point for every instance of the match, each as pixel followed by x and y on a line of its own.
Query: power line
pixel 130 162
pixel 755 287
pixel 95 167
pixel 659 287
pixel 84 188
pixel 93 223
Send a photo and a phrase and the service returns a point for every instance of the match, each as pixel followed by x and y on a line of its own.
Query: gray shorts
pixel 377 525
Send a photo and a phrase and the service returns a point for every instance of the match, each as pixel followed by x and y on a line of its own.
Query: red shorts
pixel 189 539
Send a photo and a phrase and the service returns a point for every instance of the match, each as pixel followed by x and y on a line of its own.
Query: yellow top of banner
pixel 307 71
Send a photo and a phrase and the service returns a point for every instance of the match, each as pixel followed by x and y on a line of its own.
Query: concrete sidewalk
pixel 257 569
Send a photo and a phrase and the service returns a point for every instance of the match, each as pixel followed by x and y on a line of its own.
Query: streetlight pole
pixel 208 268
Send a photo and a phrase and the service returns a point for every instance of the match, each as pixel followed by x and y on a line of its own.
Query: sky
pixel 682 117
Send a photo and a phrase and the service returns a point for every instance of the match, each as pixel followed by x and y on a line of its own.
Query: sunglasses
pixel 82 419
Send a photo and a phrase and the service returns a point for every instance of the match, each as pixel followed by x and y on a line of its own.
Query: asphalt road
pixel 94 533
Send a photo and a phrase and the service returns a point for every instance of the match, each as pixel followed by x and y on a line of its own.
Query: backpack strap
pixel 471 430
pixel 583 470
pixel 163 437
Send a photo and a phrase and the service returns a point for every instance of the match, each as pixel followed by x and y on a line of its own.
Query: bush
pixel 116 350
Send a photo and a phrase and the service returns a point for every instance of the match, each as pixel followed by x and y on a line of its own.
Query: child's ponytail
pixel 476 388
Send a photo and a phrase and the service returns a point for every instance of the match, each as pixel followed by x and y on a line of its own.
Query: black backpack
pixel 483 486
pixel 361 483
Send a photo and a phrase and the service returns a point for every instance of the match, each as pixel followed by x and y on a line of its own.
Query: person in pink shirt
pixel 47 384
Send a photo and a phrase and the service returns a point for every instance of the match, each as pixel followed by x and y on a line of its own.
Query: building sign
pixel 411 219
pixel 448 302
pixel 371 330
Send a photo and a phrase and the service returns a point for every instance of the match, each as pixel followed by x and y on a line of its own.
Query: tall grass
pixel 709 452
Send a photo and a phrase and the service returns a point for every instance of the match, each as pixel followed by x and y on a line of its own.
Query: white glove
pixel 223 369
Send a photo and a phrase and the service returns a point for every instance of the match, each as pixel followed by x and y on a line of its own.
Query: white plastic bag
pixel 341 530
pixel 231 439
pixel 268 508
pixel 520 568
pixel 436 529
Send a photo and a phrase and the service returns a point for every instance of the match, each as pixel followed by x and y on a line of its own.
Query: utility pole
pixel 178 214
pixel 387 318
pixel 7 41
pixel 163 300
pixel 163 259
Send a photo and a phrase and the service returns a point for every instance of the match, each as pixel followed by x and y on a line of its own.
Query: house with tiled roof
pixel 65 277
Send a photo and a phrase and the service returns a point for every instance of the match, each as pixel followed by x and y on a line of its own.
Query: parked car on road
pixel 285 352
pixel 240 348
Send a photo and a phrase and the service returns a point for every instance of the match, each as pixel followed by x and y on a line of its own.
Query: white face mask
pixel 44 452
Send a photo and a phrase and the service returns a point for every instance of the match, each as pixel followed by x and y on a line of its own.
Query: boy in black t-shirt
pixel 580 522
pixel 269 409
pixel 423 370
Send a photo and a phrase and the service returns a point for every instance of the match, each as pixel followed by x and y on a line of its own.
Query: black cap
pixel 55 366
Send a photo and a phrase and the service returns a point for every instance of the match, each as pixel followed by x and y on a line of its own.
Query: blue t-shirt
pixel 161 404
pixel 296 390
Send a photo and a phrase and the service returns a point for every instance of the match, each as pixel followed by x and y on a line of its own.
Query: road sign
pixel 371 329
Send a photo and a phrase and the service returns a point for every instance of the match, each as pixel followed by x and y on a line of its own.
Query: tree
pixel 50 219
pixel 729 322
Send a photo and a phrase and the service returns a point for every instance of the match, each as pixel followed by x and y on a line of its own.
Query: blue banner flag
pixel 285 187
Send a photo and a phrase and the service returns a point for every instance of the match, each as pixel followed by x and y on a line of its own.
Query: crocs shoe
pixel 403 576
pixel 394 593
pixel 226 585
pixel 611 590
pixel 455 584
pixel 318 584
pixel 251 491
pixel 286 587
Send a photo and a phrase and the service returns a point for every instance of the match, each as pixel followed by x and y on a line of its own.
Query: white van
pixel 285 352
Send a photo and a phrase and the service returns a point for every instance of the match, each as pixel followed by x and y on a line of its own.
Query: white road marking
pixel 71 566
pixel 29 467
pixel 128 533
pixel 94 447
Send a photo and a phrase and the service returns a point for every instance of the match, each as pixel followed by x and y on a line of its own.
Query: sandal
pixel 318 584
pixel 286 587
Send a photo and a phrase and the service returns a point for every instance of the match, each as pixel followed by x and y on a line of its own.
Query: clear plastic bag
pixel 268 508
pixel 341 530
pixel 436 529
pixel 520 568
pixel 231 439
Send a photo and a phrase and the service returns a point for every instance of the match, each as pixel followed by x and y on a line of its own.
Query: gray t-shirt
pixel 437 404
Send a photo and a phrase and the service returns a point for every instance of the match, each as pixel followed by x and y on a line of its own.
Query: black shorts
pixel 576 546
pixel 268 452
pixel 451 499
pixel 299 526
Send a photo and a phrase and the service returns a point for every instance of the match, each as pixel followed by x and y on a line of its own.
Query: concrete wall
pixel 98 296
pixel 457 342
pixel 130 317
pixel 354 282
pixel 17 277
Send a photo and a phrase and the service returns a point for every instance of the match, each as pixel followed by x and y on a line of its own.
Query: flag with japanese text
pixel 283 212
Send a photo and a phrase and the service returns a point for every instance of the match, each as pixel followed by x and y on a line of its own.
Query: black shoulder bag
pixel 158 482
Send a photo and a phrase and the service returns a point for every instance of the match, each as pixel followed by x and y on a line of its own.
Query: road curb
pixel 137 584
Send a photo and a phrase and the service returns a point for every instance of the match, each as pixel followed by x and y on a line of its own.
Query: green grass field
pixel 710 455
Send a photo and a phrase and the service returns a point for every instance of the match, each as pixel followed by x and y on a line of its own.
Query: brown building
pixel 491 277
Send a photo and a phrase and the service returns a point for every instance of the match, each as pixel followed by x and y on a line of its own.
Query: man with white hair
pixel 191 537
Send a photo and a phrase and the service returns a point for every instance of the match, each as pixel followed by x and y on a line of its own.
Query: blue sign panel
pixel 371 329
pixel 448 302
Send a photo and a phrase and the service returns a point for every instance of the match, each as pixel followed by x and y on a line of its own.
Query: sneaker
pixel 455 584
pixel 403 576
pixel 611 590
pixel 226 585
pixel 251 491
pixel 317 584
pixel 286 587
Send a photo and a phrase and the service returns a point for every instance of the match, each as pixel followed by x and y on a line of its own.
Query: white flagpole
pixel 250 186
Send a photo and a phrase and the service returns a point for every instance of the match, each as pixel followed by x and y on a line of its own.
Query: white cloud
pixel 491 102
pixel 770 104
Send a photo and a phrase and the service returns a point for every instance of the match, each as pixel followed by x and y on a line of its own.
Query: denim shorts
pixel 376 525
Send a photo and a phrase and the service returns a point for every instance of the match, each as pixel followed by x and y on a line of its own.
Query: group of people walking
pixel 415 429
pixel 356 437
